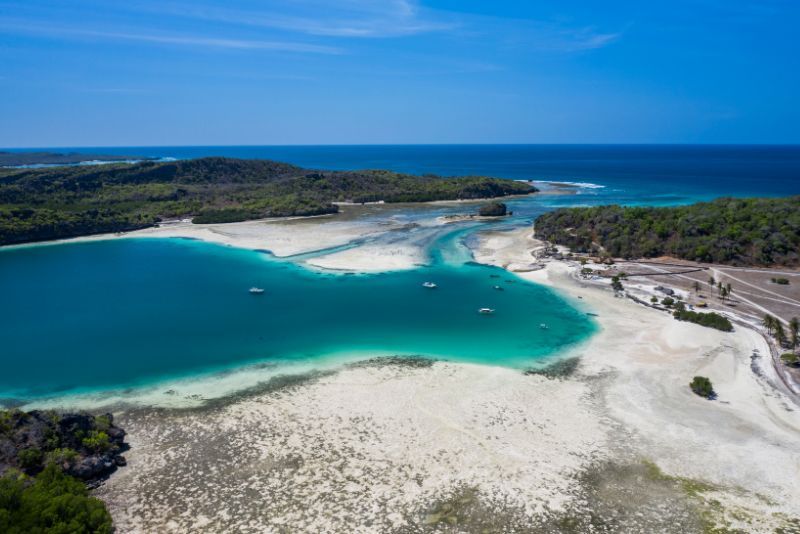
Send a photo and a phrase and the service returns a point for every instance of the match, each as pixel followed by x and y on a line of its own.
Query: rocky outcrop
pixel 495 209
pixel 85 446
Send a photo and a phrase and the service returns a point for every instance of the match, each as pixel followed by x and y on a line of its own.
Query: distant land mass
pixel 732 231
pixel 60 202
pixel 16 159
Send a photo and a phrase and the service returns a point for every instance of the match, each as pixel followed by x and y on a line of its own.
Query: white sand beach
pixel 398 445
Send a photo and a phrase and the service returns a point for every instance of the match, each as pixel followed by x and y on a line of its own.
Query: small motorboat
pixel 429 285
pixel 486 310
pixel 498 288
pixel 543 326
pixel 256 291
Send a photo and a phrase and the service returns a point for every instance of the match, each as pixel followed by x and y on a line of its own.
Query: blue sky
pixel 187 72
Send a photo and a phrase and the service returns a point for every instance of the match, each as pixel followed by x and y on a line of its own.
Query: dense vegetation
pixel 701 385
pixel 51 203
pixel 711 320
pixel 755 231
pixel 46 461
pixel 52 502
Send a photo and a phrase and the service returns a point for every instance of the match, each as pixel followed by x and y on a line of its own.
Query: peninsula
pixel 62 202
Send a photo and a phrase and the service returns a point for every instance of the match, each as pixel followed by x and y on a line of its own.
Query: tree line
pixel 733 231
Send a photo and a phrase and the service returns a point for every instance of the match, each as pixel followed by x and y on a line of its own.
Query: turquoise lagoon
pixel 111 314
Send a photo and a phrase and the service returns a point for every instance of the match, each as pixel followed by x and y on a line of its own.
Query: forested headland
pixel 732 231
pixel 61 202
pixel 10 159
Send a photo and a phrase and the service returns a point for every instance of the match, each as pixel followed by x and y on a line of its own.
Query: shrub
pixel 668 301
pixel 711 320
pixel 790 358
pixel 780 281
pixel 701 385
pixel 654 299
pixel 102 422
pixel 97 441
pixel 61 456
pixel 616 285
pixel 29 458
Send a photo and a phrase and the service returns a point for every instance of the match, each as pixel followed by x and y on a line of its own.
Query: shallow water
pixel 97 315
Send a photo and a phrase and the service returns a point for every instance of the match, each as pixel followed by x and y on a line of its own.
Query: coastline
pixel 386 443
pixel 650 359
pixel 321 236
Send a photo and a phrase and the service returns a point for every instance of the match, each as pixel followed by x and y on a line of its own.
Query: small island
pixel 495 209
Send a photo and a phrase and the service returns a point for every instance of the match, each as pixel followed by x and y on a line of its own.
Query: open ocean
pixel 655 174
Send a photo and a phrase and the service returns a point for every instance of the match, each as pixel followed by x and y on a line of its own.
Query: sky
pixel 272 72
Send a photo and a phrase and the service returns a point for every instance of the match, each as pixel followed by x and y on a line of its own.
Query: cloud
pixel 576 40
pixel 167 39
pixel 115 90
pixel 346 18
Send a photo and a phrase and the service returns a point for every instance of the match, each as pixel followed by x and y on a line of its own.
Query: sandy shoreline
pixel 397 447
pixel 285 238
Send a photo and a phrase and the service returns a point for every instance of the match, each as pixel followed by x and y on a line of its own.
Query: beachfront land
pixel 394 443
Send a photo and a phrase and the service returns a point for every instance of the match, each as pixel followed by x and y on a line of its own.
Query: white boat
pixel 429 285
pixel 256 291
pixel 486 310
pixel 498 288
pixel 543 326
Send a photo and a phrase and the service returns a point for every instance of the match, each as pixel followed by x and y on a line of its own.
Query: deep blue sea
pixel 101 315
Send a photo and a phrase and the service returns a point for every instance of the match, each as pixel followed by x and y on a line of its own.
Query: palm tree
pixel 794 332
pixel 780 333
pixel 729 288
pixel 769 323
pixel 711 282
pixel 723 293
pixel 696 286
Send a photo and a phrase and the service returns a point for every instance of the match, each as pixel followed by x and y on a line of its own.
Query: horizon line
pixel 305 145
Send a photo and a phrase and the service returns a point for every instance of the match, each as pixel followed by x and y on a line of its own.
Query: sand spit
pixel 363 239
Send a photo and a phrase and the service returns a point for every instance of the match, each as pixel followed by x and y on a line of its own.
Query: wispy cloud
pixel 575 40
pixel 168 39
pixel 116 90
pixel 348 18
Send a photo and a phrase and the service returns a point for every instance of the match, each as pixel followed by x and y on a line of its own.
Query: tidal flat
pixel 608 438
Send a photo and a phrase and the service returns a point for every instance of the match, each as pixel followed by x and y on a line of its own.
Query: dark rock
pixel 495 209
pixel 74 441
